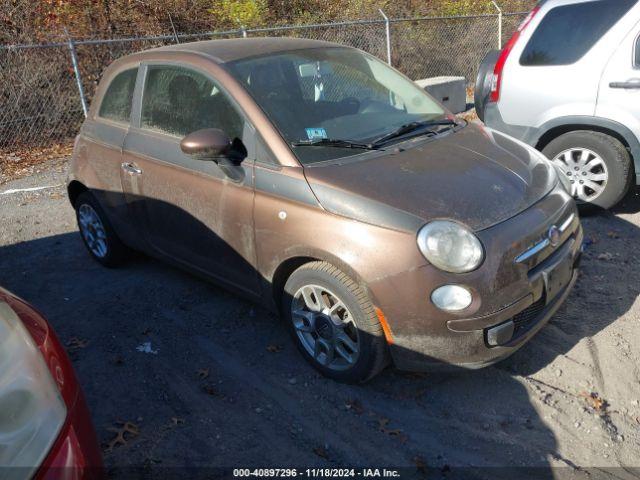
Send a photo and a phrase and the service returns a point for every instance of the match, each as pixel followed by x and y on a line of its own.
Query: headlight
pixel 450 246
pixel 31 408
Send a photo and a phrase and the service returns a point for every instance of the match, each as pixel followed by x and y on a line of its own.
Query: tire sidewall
pixel 113 256
pixel 303 277
pixel 617 163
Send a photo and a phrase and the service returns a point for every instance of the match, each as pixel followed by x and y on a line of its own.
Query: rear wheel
pixel 597 166
pixel 334 323
pixel 98 236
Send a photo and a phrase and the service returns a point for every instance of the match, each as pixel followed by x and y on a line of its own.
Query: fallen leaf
pixel 355 406
pixel 126 431
pixel 606 256
pixel 20 163
pixel 420 464
pixel 209 390
pixel 76 343
pixel 613 234
pixel 321 452
pixel 382 426
pixel 594 400
pixel 274 348
pixel 177 421
pixel 203 373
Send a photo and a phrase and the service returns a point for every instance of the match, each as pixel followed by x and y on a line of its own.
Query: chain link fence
pixel 43 87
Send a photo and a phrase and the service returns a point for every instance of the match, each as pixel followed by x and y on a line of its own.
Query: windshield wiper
pixel 411 128
pixel 330 142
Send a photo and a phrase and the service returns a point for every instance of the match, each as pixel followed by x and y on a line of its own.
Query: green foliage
pixel 235 13
pixel 463 7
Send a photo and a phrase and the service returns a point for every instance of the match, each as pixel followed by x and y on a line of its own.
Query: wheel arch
pixel 74 190
pixel 291 263
pixel 553 129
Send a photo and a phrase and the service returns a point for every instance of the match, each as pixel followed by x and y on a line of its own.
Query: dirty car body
pixel 298 167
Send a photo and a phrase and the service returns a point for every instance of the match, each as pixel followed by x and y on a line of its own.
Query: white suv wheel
pixel 586 171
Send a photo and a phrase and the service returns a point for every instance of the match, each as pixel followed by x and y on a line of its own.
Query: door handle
pixel 131 169
pixel 635 83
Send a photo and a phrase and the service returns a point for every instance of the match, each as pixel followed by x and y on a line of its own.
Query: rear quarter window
pixel 568 32
pixel 116 103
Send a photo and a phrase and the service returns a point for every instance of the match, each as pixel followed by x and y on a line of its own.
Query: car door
pixel 619 95
pixel 189 210
pixel 101 140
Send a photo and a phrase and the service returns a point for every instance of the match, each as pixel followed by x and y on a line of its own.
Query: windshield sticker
pixel 316 133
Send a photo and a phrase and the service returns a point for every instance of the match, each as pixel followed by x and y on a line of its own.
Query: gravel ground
pixel 224 386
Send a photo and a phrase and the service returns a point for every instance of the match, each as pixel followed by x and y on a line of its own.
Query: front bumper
pixel 75 455
pixel 515 294
pixel 412 354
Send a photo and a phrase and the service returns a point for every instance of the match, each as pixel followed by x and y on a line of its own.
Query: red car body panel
pixel 76 453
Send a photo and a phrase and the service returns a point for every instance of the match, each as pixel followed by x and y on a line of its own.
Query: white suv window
pixel 566 33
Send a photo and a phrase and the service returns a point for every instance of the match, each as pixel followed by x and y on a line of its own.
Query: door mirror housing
pixel 207 144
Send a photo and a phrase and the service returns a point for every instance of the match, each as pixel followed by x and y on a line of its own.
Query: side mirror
pixel 206 144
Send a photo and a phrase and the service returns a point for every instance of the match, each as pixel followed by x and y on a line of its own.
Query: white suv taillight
pixel 32 410
pixel 496 79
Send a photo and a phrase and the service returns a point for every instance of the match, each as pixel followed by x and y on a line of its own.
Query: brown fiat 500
pixel 320 182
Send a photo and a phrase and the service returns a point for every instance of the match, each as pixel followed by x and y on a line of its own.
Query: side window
pixel 116 103
pixel 567 33
pixel 636 53
pixel 179 101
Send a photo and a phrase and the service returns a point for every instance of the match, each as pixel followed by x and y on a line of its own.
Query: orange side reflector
pixel 385 326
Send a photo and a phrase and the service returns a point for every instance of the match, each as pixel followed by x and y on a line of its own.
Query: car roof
pixel 229 50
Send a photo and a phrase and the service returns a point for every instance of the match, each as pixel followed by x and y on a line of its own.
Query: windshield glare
pixel 334 93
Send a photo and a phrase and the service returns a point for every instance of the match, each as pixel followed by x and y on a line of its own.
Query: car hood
pixel 475 176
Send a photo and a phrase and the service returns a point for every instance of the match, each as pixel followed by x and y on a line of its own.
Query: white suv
pixel 568 83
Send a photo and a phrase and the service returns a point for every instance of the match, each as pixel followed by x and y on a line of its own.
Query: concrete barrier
pixel 450 91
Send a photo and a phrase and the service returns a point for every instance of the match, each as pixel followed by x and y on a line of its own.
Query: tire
pixel 111 252
pixel 614 155
pixel 364 326
pixel 482 88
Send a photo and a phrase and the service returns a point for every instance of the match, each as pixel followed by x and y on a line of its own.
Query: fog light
pixel 451 297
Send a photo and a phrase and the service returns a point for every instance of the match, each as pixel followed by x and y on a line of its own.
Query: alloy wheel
pixel 325 327
pixel 586 172
pixel 92 230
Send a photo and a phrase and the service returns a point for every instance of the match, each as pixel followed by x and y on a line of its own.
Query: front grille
pixel 545 243
pixel 524 320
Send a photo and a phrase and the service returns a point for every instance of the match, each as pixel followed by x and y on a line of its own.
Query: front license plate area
pixel 557 277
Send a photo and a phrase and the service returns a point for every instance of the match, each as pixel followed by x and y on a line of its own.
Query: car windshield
pixel 333 102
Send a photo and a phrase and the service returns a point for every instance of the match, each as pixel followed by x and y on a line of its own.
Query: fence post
pixel 76 71
pixel 175 35
pixel 243 31
pixel 495 4
pixel 387 29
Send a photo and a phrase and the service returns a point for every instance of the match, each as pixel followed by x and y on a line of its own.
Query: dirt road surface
pixel 208 379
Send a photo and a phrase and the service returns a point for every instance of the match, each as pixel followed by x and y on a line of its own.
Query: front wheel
pixel 597 165
pixel 334 323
